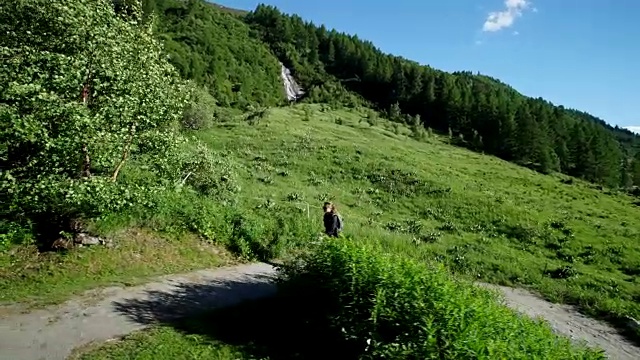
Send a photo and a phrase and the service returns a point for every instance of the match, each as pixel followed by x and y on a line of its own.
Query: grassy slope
pixel 494 224
pixel 499 222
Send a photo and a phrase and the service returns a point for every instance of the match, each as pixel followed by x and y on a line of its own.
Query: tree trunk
pixel 125 152
pixel 86 161
pixel 85 95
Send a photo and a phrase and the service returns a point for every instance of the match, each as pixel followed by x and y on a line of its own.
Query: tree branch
pixel 86 161
pixel 125 152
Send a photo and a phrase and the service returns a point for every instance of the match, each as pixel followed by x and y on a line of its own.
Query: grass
pixel 37 279
pixel 180 231
pixel 479 216
pixel 482 217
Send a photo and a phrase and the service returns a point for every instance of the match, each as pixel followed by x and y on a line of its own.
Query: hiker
pixel 332 220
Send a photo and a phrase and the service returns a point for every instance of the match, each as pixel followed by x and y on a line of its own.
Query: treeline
pixel 214 48
pixel 477 111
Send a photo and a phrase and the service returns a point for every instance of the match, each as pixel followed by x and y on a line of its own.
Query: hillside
pixel 480 215
pixel 484 113
pixel 120 162
pixel 484 218
pixel 213 47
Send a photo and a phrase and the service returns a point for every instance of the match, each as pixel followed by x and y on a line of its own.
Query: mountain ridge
pixel 598 119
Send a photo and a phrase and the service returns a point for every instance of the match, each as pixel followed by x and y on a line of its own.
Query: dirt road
pixel 566 320
pixel 53 333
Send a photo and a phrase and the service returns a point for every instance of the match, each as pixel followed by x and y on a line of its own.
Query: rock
pixel 106 242
pixel 61 244
pixel 86 239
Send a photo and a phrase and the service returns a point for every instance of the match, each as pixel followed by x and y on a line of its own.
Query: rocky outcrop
pixel 86 239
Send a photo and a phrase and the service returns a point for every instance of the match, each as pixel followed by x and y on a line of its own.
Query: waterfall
pixel 293 90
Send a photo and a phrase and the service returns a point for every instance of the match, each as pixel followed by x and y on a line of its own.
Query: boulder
pixel 86 239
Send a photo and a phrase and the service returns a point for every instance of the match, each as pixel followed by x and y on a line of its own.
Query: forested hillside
pixel 215 49
pixel 478 111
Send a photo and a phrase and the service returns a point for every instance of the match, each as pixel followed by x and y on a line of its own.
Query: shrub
pixel 390 307
pixel 201 111
pixel 257 237
pixel 307 113
pixel 208 173
pixel 255 114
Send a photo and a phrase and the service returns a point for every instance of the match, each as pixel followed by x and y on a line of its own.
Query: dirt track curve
pixel 54 333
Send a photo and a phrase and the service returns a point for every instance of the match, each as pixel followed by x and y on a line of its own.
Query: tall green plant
pixel 82 90
pixel 391 307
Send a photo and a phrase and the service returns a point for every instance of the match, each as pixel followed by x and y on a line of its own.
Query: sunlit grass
pixel 483 217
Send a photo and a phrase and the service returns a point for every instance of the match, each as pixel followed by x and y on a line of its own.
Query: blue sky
pixel 583 54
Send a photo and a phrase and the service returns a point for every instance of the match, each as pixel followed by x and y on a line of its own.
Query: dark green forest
pixel 211 45
pixel 214 48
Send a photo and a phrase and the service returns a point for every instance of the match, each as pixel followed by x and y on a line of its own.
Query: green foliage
pixel 372 118
pixel 216 50
pixel 82 91
pixel 255 114
pixel 482 217
pixel 307 113
pixel 391 307
pixel 635 170
pixel 209 173
pixel 201 111
pixel 395 113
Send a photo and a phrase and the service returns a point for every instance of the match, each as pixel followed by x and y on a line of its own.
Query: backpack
pixel 339 222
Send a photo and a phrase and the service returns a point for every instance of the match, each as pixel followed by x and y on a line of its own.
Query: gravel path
pixel 566 320
pixel 53 333
pixel 98 316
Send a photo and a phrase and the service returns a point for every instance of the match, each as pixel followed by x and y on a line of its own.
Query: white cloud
pixel 635 129
pixel 516 33
pixel 498 20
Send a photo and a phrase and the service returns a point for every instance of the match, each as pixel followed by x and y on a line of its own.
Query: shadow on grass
pixel 248 315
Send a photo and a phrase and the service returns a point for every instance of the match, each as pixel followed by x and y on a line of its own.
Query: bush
pixel 254 236
pixel 395 308
pixel 209 174
pixel 201 111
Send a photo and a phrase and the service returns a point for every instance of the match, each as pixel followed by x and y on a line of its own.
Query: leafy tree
pixel 81 92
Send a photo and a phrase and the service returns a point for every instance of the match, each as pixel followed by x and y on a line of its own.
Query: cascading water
pixel 293 90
